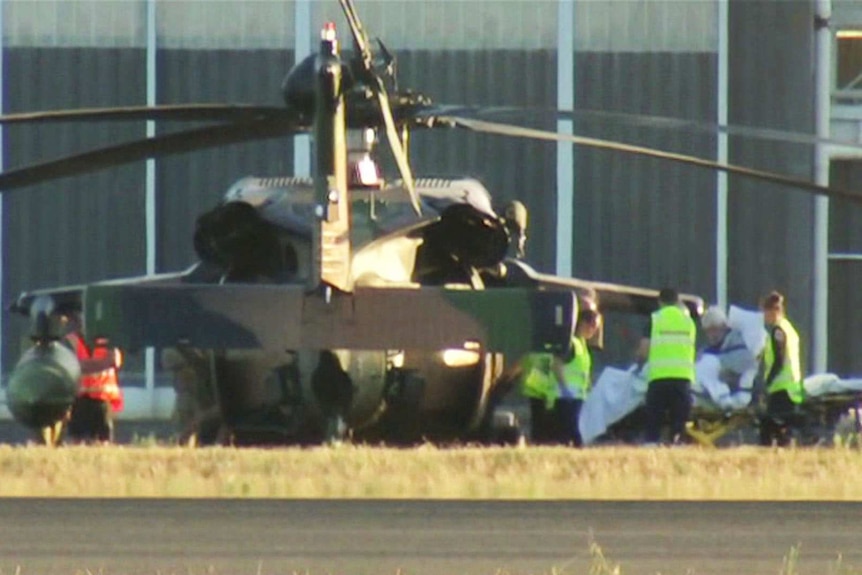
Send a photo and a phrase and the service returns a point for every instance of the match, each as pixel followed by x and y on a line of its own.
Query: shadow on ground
pixel 127 432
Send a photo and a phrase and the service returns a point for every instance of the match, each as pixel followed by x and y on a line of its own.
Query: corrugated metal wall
pixel 771 86
pixel 81 228
pixel 74 23
pixel 642 221
pixel 639 219
pixel 190 184
pixel 509 168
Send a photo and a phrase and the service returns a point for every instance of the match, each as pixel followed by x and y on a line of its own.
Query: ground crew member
pixel 539 387
pixel 782 372
pixel 196 410
pixel 573 374
pixel 99 394
pixel 515 219
pixel 669 348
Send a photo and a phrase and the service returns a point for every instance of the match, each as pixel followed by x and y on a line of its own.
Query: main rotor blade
pixel 394 140
pixel 534 134
pixel 245 112
pixel 665 122
pixel 188 141
pixel 433 112
pixel 179 112
pixel 360 40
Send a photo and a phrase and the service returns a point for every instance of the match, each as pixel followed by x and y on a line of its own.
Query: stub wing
pixel 68 299
pixel 512 321
pixel 611 297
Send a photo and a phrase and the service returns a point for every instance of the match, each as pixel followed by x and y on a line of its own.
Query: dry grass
pixel 428 472
pixel 599 565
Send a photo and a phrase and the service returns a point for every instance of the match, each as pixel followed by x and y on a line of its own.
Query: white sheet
pixel 821 384
pixel 616 393
pixel 750 325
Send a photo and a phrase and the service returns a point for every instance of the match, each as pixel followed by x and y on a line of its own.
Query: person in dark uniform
pixel 668 347
pixel 782 373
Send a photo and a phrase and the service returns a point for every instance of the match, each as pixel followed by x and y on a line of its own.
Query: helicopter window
pixel 372 217
pixel 367 173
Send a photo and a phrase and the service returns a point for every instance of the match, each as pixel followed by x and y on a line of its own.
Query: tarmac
pixel 422 537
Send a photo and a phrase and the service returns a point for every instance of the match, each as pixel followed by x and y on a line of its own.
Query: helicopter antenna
pixel 375 82
pixel 331 233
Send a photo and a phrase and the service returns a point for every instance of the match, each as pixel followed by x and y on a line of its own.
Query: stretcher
pixel 721 405
pixel 705 428
pixel 816 419
pixel 617 411
pixel 828 400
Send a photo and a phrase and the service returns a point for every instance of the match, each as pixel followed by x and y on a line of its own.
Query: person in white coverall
pixel 737 365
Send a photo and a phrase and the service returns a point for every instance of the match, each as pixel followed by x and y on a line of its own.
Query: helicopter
pixel 331 305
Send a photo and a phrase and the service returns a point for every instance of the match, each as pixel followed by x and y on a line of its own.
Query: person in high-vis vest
pixel 782 373
pixel 538 386
pixel 99 394
pixel 669 350
pixel 573 374
pixel 515 220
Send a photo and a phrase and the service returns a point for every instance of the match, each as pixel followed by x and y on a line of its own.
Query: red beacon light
pixel 328 32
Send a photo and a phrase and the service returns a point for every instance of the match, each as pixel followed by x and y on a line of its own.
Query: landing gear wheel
pixel 506 429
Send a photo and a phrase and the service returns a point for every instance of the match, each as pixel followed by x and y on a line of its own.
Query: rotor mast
pixel 331 230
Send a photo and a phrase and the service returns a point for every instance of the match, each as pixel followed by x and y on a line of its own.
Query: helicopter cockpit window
pixel 373 217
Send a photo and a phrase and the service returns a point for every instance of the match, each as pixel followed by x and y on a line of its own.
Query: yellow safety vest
pixel 789 379
pixel 672 344
pixel 538 380
pixel 578 371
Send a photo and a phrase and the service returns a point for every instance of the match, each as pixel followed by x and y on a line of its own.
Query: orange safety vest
pixel 103 385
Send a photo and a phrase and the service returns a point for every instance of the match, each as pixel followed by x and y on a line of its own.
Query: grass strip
pixel 347 471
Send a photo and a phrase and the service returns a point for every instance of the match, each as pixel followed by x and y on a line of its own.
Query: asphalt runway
pixel 418 537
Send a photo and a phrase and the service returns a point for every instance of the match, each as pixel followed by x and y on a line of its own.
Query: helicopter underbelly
pixel 296 395
pixel 435 396
pixel 290 396
pixel 362 375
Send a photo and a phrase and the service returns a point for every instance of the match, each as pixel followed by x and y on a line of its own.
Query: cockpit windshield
pixel 377 213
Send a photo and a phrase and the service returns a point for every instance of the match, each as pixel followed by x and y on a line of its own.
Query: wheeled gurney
pixel 613 410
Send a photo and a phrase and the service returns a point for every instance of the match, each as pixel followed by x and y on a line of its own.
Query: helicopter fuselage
pixel 260 233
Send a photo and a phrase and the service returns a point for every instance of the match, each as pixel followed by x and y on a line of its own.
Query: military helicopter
pixel 340 304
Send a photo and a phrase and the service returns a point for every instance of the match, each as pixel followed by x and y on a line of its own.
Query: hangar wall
pixel 636 221
pixel 771 228
pixel 845 220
